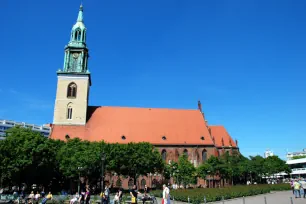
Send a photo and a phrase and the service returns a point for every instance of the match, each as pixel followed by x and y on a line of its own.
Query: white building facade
pixel 7 124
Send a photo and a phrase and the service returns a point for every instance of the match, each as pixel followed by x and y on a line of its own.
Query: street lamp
pixel 102 172
pixel 79 169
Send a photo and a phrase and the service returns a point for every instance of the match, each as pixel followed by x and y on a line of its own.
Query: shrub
pixel 216 194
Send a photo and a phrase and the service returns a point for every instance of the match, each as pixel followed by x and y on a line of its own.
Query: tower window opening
pixel 69 113
pixel 79 35
pixel 72 90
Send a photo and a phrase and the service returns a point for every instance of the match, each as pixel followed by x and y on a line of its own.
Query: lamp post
pixel 102 170
pixel 79 169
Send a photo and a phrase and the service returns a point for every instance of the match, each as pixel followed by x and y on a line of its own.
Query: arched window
pixel 69 111
pixel 79 35
pixel 154 183
pixel 186 152
pixel 118 182
pixel 204 155
pixel 164 154
pixel 143 183
pixel 72 90
pixel 131 183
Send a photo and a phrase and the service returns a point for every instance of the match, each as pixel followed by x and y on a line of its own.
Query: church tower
pixel 73 81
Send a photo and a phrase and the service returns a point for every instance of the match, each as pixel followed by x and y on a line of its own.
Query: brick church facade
pixel 173 131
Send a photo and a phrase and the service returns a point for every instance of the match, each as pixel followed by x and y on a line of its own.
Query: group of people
pixel 83 197
pixel 145 196
pixel 33 197
pixel 105 196
pixel 298 187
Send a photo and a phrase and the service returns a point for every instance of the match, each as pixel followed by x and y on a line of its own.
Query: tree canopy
pixel 27 157
pixel 239 169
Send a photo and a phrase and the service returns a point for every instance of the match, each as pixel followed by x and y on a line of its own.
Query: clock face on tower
pixel 75 55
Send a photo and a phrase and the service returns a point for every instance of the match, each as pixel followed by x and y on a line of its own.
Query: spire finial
pixel 80 16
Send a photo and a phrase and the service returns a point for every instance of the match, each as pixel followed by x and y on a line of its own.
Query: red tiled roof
pixel 219 133
pixel 181 127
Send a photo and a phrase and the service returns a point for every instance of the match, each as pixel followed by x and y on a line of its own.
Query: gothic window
pixel 143 183
pixel 186 152
pixel 69 111
pixel 72 90
pixel 131 183
pixel 154 183
pixel 164 155
pixel 119 182
pixel 204 155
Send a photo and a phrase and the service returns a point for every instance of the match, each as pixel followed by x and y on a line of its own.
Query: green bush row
pixel 216 194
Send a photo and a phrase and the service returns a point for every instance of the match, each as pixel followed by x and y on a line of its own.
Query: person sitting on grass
pixel 75 198
pixel 134 193
pixel 37 196
pixel 116 198
pixel 48 197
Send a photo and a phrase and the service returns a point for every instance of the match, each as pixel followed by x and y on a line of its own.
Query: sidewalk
pixel 282 197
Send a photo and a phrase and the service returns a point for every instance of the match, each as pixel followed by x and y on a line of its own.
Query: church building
pixel 173 131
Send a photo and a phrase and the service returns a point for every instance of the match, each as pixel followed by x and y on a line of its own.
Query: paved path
pixel 272 198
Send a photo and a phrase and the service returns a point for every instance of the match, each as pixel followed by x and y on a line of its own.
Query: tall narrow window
pixel 130 183
pixel 69 113
pixel 72 90
pixel 204 155
pixel 143 183
pixel 185 152
pixel 164 155
pixel 78 35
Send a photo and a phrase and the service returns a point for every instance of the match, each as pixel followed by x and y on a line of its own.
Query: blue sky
pixel 245 61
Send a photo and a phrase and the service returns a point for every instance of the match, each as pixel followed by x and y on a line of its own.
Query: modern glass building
pixel 7 124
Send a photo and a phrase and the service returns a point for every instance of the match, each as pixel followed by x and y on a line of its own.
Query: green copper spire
pixel 76 52
pixel 80 16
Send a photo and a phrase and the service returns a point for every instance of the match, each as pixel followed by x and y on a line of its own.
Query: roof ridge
pixel 179 109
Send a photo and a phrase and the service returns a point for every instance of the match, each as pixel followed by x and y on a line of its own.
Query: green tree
pixel 79 157
pixel 187 172
pixel 139 159
pixel 204 170
pixel 273 165
pixel 27 157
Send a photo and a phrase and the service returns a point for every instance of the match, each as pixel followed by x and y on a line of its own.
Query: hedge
pixel 216 194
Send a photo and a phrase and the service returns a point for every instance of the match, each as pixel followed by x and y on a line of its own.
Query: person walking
pixel 303 187
pixel 166 195
pixel 297 187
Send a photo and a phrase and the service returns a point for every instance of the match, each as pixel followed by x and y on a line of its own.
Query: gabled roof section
pixel 221 136
pixel 157 126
